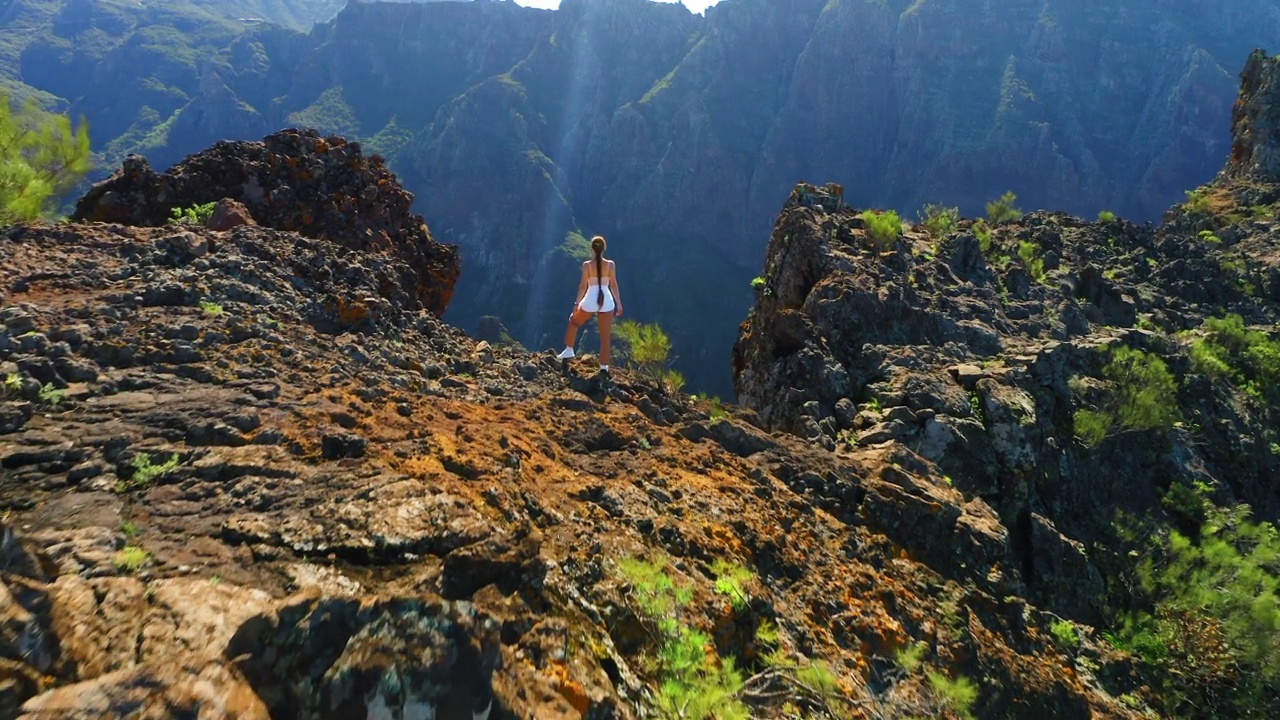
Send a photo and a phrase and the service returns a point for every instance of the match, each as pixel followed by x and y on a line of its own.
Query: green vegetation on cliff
pixel 1208 626
pixel 1139 393
pixel 1250 359
pixel 693 683
pixel 647 349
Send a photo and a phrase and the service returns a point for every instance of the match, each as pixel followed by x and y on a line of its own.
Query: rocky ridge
pixel 292 180
pixel 236 483
pixel 975 348
pixel 201 488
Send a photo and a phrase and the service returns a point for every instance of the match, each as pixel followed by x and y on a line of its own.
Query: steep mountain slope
pixel 232 486
pixel 902 105
pixel 675 135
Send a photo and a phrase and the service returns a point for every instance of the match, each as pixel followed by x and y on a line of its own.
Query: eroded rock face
pixel 216 650
pixel 974 349
pixel 322 657
pixel 296 180
pixel 1255 120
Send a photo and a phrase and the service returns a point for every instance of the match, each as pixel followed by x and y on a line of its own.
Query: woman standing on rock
pixel 599 296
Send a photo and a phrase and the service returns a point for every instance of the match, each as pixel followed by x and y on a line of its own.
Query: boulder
pixel 227 214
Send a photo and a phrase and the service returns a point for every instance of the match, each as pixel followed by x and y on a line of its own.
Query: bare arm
pixel 617 294
pixel 582 286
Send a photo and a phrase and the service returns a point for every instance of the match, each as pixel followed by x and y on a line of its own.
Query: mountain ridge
pixel 696 127
pixel 233 481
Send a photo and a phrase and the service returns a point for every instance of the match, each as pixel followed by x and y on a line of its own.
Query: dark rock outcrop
pixel 319 187
pixel 1255 121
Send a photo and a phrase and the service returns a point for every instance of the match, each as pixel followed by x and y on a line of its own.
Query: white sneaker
pixel 565 354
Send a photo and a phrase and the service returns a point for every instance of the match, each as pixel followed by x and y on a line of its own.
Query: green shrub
pixel 958 694
pixel 1032 259
pixel 729 582
pixel 645 346
pixel 1207 623
pixel 1190 503
pixel 717 409
pixel 52 396
pixel 1145 389
pixel 131 558
pixel 982 231
pixel 144 472
pixel 1141 394
pixel 1002 209
pixel 43 158
pixel 646 349
pixel 673 381
pixel 194 215
pixel 818 678
pixel 692 682
pixel 1091 426
pixel 1065 633
pixel 910 656
pixel 939 221
pixel 883 227
pixel 210 308
pixel 757 282
pixel 1106 216
pixel 1250 359
pixel 1197 202
pixel 1209 237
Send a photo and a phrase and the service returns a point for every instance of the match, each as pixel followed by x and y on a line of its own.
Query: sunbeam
pixel 566 138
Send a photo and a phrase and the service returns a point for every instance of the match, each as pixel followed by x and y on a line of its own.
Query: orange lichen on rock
pixel 725 541
pixel 352 312
pixel 570 689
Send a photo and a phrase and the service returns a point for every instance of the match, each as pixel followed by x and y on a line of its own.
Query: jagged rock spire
pixel 1255 120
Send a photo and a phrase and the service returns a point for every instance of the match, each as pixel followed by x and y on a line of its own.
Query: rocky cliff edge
pixel 295 180
pixel 244 475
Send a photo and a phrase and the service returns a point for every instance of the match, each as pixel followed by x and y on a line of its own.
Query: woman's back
pixel 607 272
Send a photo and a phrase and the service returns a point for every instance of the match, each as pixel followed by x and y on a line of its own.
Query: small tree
pixel 41 158
pixel 939 221
pixel 1003 210
pixel 1140 394
pixel 647 349
pixel 883 227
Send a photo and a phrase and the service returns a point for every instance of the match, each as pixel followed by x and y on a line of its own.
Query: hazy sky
pixel 694 5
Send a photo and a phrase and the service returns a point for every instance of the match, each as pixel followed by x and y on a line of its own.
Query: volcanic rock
pixel 1255 120
pixel 296 180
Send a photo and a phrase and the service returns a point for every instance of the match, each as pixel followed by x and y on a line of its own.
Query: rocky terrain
pixel 677 136
pixel 244 473
pixel 293 180
pixel 222 491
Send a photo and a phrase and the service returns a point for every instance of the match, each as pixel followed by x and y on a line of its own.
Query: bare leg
pixel 575 321
pixel 606 335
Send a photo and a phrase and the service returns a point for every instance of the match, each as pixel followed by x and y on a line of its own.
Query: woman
pixel 599 296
